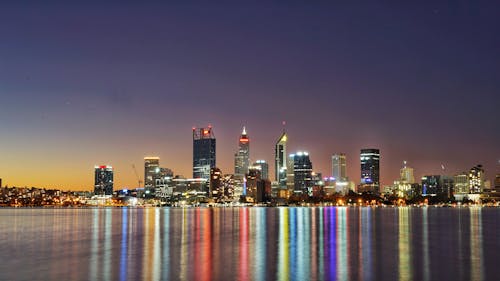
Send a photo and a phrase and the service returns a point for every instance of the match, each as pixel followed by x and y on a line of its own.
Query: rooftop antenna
pixel 283 123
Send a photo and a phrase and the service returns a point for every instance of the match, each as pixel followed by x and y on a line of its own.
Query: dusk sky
pixel 92 83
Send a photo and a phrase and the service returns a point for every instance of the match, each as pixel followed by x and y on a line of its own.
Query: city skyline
pixel 353 166
pixel 88 84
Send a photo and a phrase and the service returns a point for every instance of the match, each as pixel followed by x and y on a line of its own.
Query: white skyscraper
pixel 339 167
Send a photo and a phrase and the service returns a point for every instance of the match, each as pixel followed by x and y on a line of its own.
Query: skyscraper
pixel 280 160
pixel 339 167
pixel 203 152
pixel 263 166
pixel 302 172
pixel 461 184
pixel 476 179
pixel 241 158
pixel 406 174
pixel 151 173
pixel 370 169
pixel 103 180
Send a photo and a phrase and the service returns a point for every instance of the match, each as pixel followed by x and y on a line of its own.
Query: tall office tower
pixel 103 180
pixel 497 182
pixel 263 166
pixel 151 172
pixel 203 152
pixel 280 160
pixel 406 174
pixel 370 169
pixel 476 179
pixel 461 184
pixel 339 167
pixel 241 158
pixel 302 172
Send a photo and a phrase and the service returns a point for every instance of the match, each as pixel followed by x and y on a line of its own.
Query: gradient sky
pixel 93 83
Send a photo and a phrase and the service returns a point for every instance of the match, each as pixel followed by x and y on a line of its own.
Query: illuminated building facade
pixel 302 172
pixel 263 166
pixel 370 170
pixel 461 183
pixel 406 174
pixel 151 173
pixel 203 152
pixel 103 180
pixel 280 166
pixel 252 180
pixel 437 185
pixel 339 167
pixel 241 158
pixel 476 179
pixel 216 187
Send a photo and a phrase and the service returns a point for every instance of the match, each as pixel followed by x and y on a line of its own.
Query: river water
pixel 330 243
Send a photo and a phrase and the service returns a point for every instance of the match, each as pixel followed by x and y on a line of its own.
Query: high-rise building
pixel 437 185
pixel 256 188
pixel 339 167
pixel 497 183
pixel 252 178
pixel 476 179
pixel 370 169
pixel 203 152
pixel 280 160
pixel 302 172
pixel 103 180
pixel 151 173
pixel 263 166
pixel 461 183
pixel 241 158
pixel 216 187
pixel 406 174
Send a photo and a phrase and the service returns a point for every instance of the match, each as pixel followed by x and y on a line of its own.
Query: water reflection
pixel 322 243
pixel 476 247
pixel 342 244
pixel 425 243
pixel 404 245
pixel 283 245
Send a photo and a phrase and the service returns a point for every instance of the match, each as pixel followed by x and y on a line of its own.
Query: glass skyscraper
pixel 280 160
pixel 263 167
pixel 103 180
pixel 302 172
pixel 339 167
pixel 241 158
pixel 203 152
pixel 151 173
pixel 370 169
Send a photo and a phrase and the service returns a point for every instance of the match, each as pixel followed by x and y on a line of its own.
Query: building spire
pixel 244 131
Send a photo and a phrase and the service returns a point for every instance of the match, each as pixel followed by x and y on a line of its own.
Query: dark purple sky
pixel 92 83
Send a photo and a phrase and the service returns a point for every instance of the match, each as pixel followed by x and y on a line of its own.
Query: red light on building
pixel 102 167
pixel 205 132
pixel 243 140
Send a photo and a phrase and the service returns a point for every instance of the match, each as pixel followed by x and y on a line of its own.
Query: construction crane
pixel 137 175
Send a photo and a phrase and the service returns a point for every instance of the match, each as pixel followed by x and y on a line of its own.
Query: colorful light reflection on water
pixel 336 243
